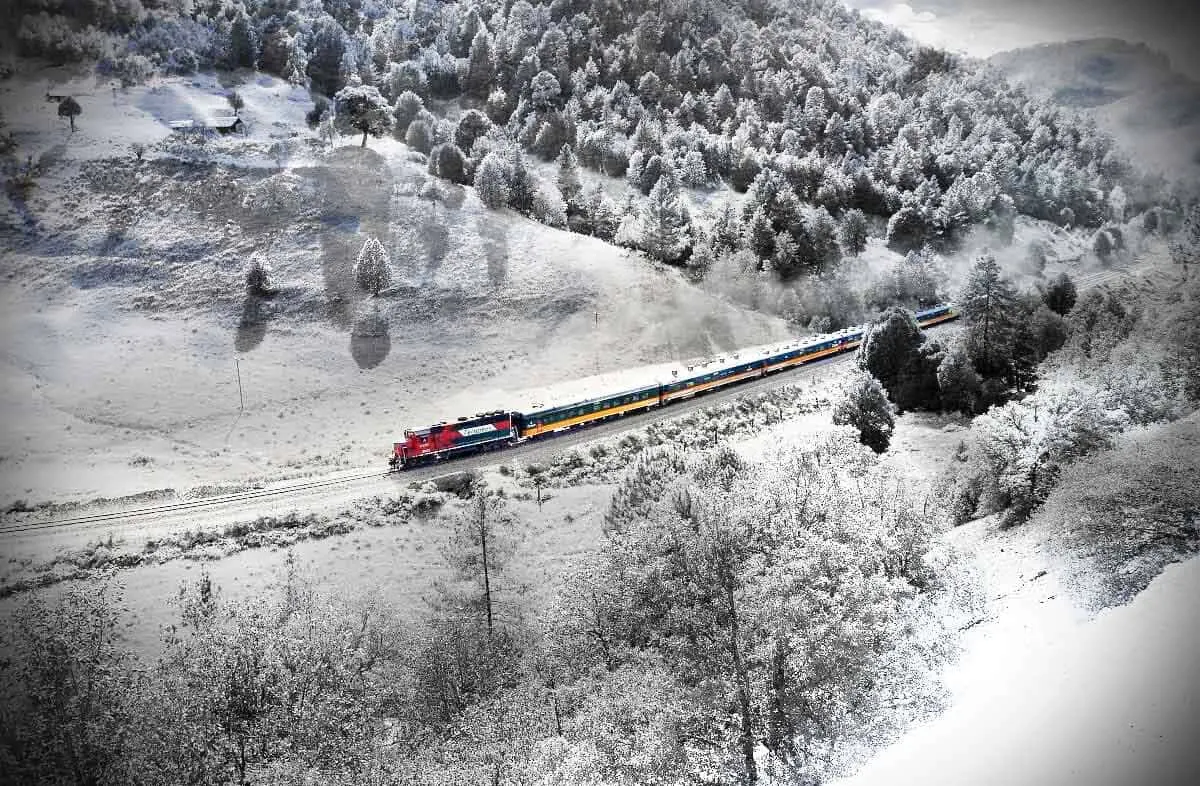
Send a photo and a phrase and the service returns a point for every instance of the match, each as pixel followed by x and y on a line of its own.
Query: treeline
pixel 739 621
pixel 1052 376
pixel 1130 359
pixel 817 111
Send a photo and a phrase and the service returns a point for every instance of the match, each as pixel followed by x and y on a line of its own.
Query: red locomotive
pixel 444 440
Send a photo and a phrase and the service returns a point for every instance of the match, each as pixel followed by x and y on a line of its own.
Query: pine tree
pixel 567 178
pixel 1185 245
pixel 853 232
pixel 372 271
pixel 1102 244
pixel 958 382
pixel 988 302
pixel 602 213
pixel 864 406
pixel 695 171
pixel 548 205
pixel 471 126
pixel 665 221
pixel 481 65
pixel 483 540
pixel 408 106
pixel 419 136
pixel 521 185
pixel 448 162
pixel 258 278
pixel 760 235
pixel 243 43
pixel 889 346
pixel 725 232
pixel 324 61
pixel 1061 294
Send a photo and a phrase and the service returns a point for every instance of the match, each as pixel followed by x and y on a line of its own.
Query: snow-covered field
pixel 1043 694
pixel 129 332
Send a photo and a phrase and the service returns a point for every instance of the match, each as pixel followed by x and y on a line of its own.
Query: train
pixel 508 427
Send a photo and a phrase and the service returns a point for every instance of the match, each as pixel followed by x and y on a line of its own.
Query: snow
pixel 1043 694
pixel 112 120
pixel 124 314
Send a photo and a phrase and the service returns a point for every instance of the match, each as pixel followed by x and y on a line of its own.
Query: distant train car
pixel 446 440
pixel 936 315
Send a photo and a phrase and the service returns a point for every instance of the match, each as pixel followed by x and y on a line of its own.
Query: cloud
pixel 900 15
pixel 984 27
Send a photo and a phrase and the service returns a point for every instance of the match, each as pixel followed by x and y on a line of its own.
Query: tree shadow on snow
pixel 370 341
pixel 355 190
pixel 495 250
pixel 252 327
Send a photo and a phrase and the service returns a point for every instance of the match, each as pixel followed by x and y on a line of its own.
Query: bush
pixel 447 162
pixel 865 407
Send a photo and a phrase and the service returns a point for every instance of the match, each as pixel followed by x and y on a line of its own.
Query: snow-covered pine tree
pixel 372 270
pixel 602 213
pixel 853 232
pixel 665 221
pixel 408 106
pixel 760 235
pixel 549 206
pixel 521 184
pixel 889 346
pixel 243 43
pixel 989 304
pixel 695 172
pixel 258 278
pixel 958 382
pixel 481 65
pixel 448 162
pixel 567 177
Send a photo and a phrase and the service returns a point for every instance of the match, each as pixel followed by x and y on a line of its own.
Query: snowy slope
pixel 1044 695
pixel 130 333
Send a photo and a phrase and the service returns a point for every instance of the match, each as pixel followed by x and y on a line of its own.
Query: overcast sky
pixel 984 27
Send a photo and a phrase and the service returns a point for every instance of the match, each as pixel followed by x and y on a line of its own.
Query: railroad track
pixel 185 505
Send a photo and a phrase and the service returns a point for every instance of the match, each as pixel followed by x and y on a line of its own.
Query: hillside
pixel 1131 91
pixel 128 320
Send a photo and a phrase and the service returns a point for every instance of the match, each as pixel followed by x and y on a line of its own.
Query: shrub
pixel 865 407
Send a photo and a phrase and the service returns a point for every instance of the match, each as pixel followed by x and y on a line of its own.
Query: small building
pixel 228 125
pixel 222 125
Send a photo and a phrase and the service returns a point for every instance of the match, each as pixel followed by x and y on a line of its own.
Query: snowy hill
pixel 129 323
pixel 1131 91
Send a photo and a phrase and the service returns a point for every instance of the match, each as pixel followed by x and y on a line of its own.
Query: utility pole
pixel 241 400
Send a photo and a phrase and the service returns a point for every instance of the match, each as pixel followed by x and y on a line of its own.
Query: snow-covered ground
pixel 1043 694
pixel 131 345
